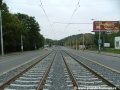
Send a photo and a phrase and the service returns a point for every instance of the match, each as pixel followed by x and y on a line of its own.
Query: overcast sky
pixel 54 25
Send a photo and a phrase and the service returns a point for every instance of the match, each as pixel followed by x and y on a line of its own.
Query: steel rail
pixel 19 74
pixel 96 74
pixel 75 84
pixel 40 86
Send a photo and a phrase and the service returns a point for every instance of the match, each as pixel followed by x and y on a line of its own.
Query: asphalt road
pixel 9 61
pixel 109 61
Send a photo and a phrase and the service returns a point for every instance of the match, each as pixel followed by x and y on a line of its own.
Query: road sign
pixel 99 41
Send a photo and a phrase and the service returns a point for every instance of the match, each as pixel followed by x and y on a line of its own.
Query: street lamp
pixel 83 39
pixel 83 46
pixel 21 43
pixel 2 50
pixel 45 42
pixel 99 40
pixel 76 42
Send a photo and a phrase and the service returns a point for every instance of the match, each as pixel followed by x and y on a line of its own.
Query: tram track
pixel 59 70
pixel 109 83
pixel 58 77
pixel 30 77
pixel 74 76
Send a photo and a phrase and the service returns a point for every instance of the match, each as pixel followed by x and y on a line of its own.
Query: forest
pixel 15 26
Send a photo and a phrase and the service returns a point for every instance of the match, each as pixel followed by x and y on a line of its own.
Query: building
pixel 117 42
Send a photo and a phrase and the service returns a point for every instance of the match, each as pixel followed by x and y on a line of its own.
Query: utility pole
pixel 83 42
pixel 2 50
pixel 83 39
pixel 21 43
pixel 99 40
pixel 76 42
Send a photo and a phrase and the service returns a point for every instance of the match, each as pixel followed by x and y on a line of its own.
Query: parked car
pixel 46 49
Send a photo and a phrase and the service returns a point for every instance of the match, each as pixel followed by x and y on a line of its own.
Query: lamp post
pixel 99 40
pixel 45 42
pixel 2 50
pixel 35 47
pixel 83 39
pixel 76 42
pixel 21 34
pixel 70 42
pixel 83 46
pixel 21 43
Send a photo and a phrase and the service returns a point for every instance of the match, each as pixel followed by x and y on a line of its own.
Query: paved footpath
pixel 12 60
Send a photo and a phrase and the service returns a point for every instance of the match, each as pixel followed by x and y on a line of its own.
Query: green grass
pixel 111 50
pixel 41 48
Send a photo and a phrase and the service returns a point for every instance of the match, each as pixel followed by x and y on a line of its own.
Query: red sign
pixel 106 25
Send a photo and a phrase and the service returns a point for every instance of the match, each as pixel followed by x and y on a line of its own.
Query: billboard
pixel 106 25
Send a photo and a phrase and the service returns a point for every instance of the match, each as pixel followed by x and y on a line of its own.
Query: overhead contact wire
pixel 72 15
pixel 46 16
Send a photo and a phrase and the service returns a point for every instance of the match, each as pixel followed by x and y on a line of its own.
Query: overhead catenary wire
pixel 69 23
pixel 74 12
pixel 77 6
pixel 61 5
pixel 41 5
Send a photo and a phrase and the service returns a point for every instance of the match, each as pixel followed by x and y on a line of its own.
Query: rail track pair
pixel 56 71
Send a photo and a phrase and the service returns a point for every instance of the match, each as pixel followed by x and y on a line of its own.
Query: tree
pixel 16 25
pixel 30 29
pixel 0 4
pixel 10 27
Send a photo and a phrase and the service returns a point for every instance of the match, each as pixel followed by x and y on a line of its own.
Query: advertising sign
pixel 106 25
pixel 106 44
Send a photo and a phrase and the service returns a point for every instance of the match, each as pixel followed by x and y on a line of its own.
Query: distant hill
pixel 72 40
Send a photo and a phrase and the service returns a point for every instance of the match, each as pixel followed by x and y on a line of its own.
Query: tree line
pixel 107 37
pixel 16 25
pixel 90 40
pixel 76 40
